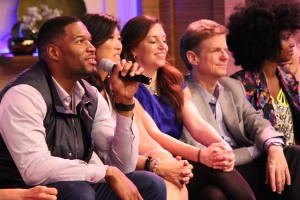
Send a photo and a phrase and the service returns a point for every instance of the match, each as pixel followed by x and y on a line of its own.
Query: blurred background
pixel 174 14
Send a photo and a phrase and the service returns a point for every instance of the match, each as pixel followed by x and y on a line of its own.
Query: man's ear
pixel 192 57
pixel 53 52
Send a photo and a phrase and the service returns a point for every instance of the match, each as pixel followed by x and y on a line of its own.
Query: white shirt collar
pixel 77 94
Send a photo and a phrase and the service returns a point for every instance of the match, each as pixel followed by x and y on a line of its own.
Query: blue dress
pixel 161 112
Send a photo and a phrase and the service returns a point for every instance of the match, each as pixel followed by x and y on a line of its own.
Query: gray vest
pixel 68 135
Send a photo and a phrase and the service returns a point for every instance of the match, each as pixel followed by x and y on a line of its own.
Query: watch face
pixel 277 144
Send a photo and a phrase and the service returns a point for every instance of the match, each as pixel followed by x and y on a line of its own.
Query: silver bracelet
pixel 155 165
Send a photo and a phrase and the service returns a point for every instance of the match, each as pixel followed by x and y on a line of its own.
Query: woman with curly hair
pixel 293 65
pixel 260 38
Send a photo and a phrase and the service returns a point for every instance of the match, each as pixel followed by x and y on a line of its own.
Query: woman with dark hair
pixel 169 105
pixel 293 65
pixel 260 38
pixel 104 29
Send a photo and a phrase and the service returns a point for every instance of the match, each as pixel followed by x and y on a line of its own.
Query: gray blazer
pixel 244 123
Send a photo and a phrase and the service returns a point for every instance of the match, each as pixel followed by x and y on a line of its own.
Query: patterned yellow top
pixel 284 120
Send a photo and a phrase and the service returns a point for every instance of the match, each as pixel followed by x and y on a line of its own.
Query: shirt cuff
pixel 96 173
pixel 273 140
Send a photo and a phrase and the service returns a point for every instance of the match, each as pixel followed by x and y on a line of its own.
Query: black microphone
pixel 109 66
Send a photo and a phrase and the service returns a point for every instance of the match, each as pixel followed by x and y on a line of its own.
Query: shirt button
pixel 92 179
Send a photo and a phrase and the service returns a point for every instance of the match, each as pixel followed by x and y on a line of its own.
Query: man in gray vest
pixel 51 121
pixel 221 101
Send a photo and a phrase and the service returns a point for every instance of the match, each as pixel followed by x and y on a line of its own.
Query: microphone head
pixel 106 65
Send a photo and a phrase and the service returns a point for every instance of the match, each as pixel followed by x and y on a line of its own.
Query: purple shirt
pixel 22 111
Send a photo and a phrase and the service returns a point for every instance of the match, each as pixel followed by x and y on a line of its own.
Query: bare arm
pixel 169 143
pixel 200 130
pixel 220 157
pixel 174 170
pixel 223 156
pixel 147 143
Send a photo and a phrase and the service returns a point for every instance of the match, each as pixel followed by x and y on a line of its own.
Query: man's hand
pixel 124 90
pixel 277 171
pixel 121 185
pixel 35 193
pixel 41 193
pixel 218 156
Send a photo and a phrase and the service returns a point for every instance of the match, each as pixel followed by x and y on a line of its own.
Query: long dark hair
pixel 101 27
pixel 169 79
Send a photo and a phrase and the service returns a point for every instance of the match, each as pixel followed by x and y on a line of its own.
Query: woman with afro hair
pixel 260 39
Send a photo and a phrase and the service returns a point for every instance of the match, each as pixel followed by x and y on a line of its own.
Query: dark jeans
pixel 209 183
pixel 150 186
pixel 255 174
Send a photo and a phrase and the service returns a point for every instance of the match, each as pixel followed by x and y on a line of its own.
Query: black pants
pixel 231 184
pixel 150 186
pixel 255 174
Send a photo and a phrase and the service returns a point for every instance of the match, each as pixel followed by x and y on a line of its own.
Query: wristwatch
pixel 124 107
pixel 276 144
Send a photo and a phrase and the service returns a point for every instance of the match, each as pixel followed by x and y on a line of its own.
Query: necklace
pixel 152 89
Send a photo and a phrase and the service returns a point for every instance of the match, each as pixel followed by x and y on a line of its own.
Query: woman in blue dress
pixel 169 106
